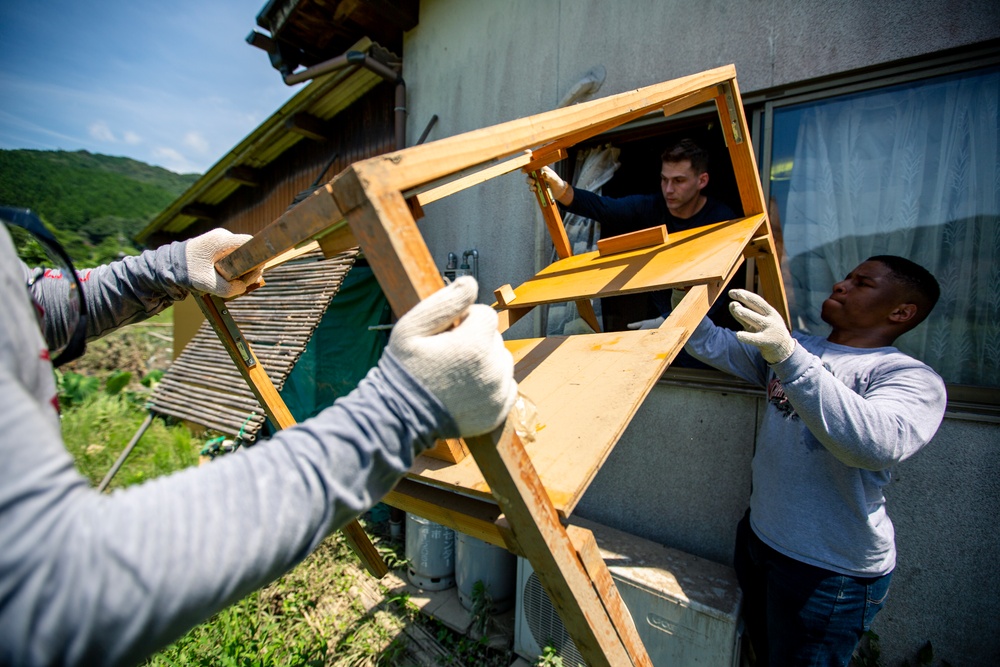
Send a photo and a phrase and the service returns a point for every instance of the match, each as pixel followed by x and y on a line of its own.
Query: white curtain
pixel 913 171
pixel 595 167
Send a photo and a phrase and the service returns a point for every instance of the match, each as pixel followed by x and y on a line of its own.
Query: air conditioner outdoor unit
pixel 685 608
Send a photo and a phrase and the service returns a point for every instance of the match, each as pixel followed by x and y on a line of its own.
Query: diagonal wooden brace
pixel 239 349
pixel 604 635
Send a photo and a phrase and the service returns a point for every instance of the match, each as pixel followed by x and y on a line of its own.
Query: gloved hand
pixel 764 326
pixel 466 367
pixel 653 323
pixel 556 185
pixel 201 254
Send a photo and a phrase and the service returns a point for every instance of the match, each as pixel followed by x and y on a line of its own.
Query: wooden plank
pixel 467 515
pixel 475 178
pixel 262 387
pixel 569 379
pixel 410 167
pixel 451 450
pixel 309 218
pixel 694 256
pixel 508 317
pixel 336 239
pixel 642 238
pixel 504 295
pixel 291 254
pixel 669 108
pixel 396 251
pixel 544 158
pixel 590 555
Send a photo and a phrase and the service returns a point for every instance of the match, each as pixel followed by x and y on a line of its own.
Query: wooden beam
pixel 537 531
pixel 642 238
pixel 200 211
pixel 309 126
pixel 466 515
pixel 474 177
pixel 590 555
pixel 244 175
pixel 509 316
pixel 410 167
pixel 264 390
pixel 544 158
pixel 308 219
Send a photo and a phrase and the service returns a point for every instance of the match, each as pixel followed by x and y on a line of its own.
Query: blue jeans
pixel 798 615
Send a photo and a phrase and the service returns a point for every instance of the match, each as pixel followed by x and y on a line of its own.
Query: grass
pixel 313 615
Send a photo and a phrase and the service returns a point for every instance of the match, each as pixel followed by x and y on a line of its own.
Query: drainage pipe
pixel 360 59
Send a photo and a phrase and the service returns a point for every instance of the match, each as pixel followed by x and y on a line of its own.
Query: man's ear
pixel 903 313
pixel 702 180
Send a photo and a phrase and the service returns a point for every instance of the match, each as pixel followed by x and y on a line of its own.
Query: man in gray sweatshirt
pixel 815 553
pixel 93 579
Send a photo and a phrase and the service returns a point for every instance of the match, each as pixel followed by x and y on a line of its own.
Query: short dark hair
pixel 685 149
pixel 920 282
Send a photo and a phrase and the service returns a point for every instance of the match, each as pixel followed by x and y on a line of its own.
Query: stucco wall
pixel 475 64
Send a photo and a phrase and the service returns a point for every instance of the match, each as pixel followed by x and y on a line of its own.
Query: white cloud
pixel 100 131
pixel 131 138
pixel 196 142
pixel 172 159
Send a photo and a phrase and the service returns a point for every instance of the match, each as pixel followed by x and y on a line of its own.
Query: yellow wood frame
pixel 511 492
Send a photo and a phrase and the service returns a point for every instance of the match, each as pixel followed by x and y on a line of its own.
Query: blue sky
pixel 172 84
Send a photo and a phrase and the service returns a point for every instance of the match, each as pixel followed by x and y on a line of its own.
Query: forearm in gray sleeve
pixel 129 290
pixel 113 578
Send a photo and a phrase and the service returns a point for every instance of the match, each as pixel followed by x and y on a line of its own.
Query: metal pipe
pixel 360 59
pixel 332 65
pixel 427 130
pixel 125 452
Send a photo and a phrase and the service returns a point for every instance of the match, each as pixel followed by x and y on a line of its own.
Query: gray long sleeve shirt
pixel 837 420
pixel 107 579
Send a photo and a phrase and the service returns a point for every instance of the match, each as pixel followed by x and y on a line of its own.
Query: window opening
pixel 910 169
pixel 640 150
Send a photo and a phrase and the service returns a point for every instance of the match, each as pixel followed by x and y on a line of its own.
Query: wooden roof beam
pixel 309 126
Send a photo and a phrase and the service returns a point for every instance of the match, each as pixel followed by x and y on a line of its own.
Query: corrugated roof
pixel 323 98
pixel 203 385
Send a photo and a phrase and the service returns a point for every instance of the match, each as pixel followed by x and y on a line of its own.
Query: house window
pixel 909 169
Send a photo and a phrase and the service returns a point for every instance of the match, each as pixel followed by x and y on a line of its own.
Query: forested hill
pixel 95 203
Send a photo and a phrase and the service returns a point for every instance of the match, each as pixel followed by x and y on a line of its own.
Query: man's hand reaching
pixel 556 185
pixel 764 326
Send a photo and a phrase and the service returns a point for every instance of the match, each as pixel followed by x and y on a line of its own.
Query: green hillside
pixel 94 203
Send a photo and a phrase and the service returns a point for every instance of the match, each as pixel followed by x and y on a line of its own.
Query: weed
pixel 549 658
pixel 482 606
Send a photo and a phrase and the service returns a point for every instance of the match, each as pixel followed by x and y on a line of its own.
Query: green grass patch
pixel 99 428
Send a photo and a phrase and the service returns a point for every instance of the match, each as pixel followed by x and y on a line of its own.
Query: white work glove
pixel 466 367
pixel 201 254
pixel 557 186
pixel 653 323
pixel 765 328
